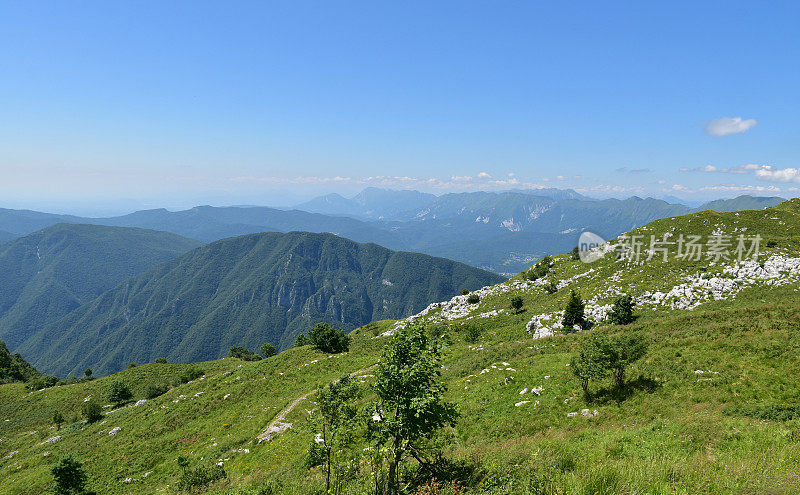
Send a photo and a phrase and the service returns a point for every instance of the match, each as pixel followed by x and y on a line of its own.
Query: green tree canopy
pixel 268 350
pixel 411 405
pixel 574 313
pixel 69 476
pixel 329 339
pixel 622 310
pixel 119 392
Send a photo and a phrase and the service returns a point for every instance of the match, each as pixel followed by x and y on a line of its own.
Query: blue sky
pixel 180 103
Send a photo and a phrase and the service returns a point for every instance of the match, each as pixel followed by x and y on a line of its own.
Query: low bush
pixel 155 390
pixel 201 477
pixel 190 374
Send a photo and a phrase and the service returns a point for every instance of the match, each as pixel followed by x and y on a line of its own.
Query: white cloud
pixel 484 175
pixel 456 182
pixel 773 174
pixel 729 125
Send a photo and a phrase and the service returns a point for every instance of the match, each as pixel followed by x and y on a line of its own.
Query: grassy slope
pixel 676 433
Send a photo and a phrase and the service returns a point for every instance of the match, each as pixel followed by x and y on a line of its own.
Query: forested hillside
pixel 245 291
pixel 47 274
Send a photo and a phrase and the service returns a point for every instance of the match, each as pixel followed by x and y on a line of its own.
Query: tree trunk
pixel 585 386
pixel 619 377
pixel 392 484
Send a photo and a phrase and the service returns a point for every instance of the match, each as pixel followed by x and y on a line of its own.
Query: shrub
pixel 160 360
pixel 473 299
pixel 190 374
pixel 268 350
pixel 600 355
pixel 622 311
pixel 201 477
pixel 243 354
pixel 573 313
pixel 92 411
pixel 69 476
pixel 772 244
pixel 119 392
pixel 301 340
pixel 771 412
pixel 464 292
pixel 329 339
pixel 41 382
pixel 315 455
pixel 87 372
pixel 437 331
pixel 132 364
pixel 472 333
pixel 623 351
pixel 58 419
pixel 155 390
pixel 551 288
pixel 517 303
pixel 591 362
pixel 575 254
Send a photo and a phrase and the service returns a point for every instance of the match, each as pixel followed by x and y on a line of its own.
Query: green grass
pixel 730 429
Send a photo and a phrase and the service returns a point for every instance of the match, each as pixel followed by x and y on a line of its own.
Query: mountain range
pixel 460 226
pixel 246 290
pixel 712 389
pixel 47 274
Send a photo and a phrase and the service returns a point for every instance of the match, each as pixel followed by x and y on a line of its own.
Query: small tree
pixel 591 362
pixel 575 254
pixel 624 350
pixel 268 350
pixel 155 390
pixel 573 313
pixel 301 340
pixel 464 292
pixel 161 360
pixel 411 406
pixel 183 462
pixel 58 419
pixel 329 339
pixel 622 311
pixel 517 303
pixel 92 411
pixel 551 287
pixel 473 299
pixel 337 422
pixel 132 364
pixel 243 354
pixel 88 372
pixel 69 476
pixel 119 392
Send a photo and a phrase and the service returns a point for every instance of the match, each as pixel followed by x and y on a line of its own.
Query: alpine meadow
pixel 399 248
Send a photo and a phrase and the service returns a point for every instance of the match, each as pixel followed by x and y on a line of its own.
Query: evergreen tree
pixel 573 313
pixel 622 311
pixel 517 303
